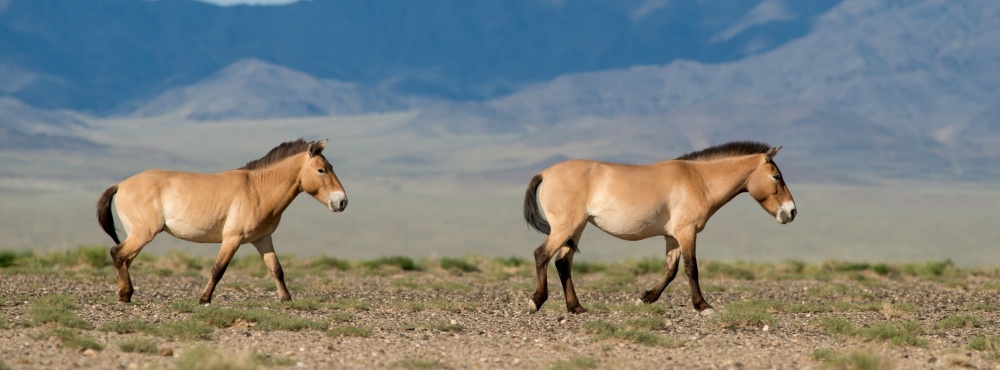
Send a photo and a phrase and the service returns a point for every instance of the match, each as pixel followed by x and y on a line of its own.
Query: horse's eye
pixel 321 170
pixel 776 177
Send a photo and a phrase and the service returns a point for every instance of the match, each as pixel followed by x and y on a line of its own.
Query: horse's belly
pixel 628 228
pixel 193 232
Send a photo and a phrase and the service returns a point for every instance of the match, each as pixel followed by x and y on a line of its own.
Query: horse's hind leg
pixel 564 265
pixel 229 247
pixel 265 247
pixel 122 256
pixel 558 238
pixel 673 259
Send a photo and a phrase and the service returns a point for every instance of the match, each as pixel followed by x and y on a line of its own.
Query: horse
pixel 233 207
pixel 672 198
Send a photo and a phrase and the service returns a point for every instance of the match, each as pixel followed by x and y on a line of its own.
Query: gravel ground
pixel 479 320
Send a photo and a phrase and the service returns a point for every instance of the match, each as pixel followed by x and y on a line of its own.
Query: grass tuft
pixel 401 262
pixel 958 322
pixel 746 314
pixel 988 344
pixel 184 329
pixel 576 363
pixel 324 262
pixel 206 358
pixel 459 265
pixel 856 360
pixel 57 308
pixel 139 345
pixel 265 319
pixel 71 338
pixel 897 332
pixel 607 330
pixel 126 326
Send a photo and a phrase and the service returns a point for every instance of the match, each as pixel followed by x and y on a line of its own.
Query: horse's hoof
pixel 708 312
pixel 578 310
pixel 532 308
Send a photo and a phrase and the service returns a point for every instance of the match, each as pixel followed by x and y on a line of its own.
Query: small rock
pixel 89 352
pixel 932 360
pixel 166 352
pixel 766 328
pixel 453 322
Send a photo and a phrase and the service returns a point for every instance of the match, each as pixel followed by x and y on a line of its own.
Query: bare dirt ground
pixel 448 318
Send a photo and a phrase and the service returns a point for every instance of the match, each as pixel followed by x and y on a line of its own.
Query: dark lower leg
pixel 541 278
pixel 691 267
pixel 121 269
pixel 564 266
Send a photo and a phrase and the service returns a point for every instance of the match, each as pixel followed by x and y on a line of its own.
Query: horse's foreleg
pixel 229 247
pixel 122 256
pixel 673 259
pixel 564 265
pixel 687 247
pixel 265 247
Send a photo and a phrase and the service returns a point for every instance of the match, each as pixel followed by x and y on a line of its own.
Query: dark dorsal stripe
pixel 730 149
pixel 282 151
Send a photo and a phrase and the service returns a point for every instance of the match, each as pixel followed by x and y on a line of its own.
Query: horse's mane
pixel 730 149
pixel 282 151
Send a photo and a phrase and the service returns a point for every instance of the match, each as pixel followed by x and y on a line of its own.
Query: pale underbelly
pixel 628 228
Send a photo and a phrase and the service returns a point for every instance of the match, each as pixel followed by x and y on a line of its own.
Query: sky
pixel 249 2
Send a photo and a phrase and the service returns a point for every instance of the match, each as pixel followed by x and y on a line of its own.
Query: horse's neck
pixel 275 186
pixel 726 178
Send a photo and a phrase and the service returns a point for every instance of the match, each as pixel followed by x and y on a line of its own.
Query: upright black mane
pixel 282 151
pixel 730 149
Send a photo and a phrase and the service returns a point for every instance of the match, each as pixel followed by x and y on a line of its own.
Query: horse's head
pixel 317 178
pixel 768 187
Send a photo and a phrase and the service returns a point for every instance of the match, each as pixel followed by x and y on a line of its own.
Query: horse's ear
pixel 769 156
pixel 316 147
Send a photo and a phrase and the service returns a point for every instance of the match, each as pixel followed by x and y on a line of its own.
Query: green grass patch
pixel 350 331
pixel 980 306
pixel 895 332
pixel 650 265
pixel 586 267
pixel 57 308
pixel 350 304
pixel 608 330
pixel 139 345
pixel 185 306
pixel 71 338
pixel 202 357
pixel 328 263
pixel 268 360
pixel 989 344
pixel 400 262
pixel 958 321
pixel 746 314
pixel 576 363
pixel 417 363
pixel 127 326
pixel 511 261
pixel 458 265
pixel 13 258
pixel 187 329
pixel 735 271
pixel 856 360
pixel 265 319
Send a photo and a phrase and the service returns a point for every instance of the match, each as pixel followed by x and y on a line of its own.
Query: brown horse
pixel 673 198
pixel 232 207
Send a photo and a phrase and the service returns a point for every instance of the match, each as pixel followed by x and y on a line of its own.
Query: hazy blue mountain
pixel 255 89
pixel 108 56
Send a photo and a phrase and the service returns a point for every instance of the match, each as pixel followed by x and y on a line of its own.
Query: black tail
pixel 532 213
pixel 104 216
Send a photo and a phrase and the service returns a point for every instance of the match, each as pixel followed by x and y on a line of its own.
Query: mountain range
pixel 855 90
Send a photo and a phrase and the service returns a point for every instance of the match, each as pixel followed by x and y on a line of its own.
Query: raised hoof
pixel 648 297
pixel 532 308
pixel 708 312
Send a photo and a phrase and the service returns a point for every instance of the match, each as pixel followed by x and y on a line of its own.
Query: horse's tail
pixel 104 216
pixel 532 212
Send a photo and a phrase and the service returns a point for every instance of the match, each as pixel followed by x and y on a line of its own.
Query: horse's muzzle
pixel 336 201
pixel 786 213
pixel 337 206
